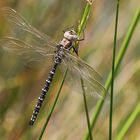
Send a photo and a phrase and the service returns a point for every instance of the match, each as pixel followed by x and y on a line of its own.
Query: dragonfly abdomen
pixel 43 94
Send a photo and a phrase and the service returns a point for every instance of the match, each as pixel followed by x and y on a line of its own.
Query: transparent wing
pixel 79 69
pixel 24 31
pixel 26 51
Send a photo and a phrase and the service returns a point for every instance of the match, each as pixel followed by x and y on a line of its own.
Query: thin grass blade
pixel 118 61
pixel 113 74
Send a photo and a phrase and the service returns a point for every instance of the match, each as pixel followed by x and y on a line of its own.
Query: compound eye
pixel 72 32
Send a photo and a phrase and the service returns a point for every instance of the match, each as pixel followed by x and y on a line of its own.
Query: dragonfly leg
pixel 83 36
pixel 75 50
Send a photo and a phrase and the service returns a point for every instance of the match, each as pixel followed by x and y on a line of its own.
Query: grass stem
pixel 113 74
pixel 118 61
pixel 81 28
pixel 86 110
pixel 128 122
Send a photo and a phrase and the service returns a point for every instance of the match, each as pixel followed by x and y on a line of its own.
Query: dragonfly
pixel 63 53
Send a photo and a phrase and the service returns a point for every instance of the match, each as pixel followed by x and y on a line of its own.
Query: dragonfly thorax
pixel 69 38
pixel 65 43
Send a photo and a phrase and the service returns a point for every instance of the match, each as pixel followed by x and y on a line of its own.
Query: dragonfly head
pixel 71 35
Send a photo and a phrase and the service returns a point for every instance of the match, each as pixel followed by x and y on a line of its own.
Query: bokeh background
pixel 20 84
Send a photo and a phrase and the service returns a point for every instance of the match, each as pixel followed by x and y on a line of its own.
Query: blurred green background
pixel 20 85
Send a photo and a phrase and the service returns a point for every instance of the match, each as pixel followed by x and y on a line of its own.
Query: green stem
pixel 113 74
pixel 86 110
pixel 81 28
pixel 54 104
pixel 129 122
pixel 119 58
pixel 84 19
